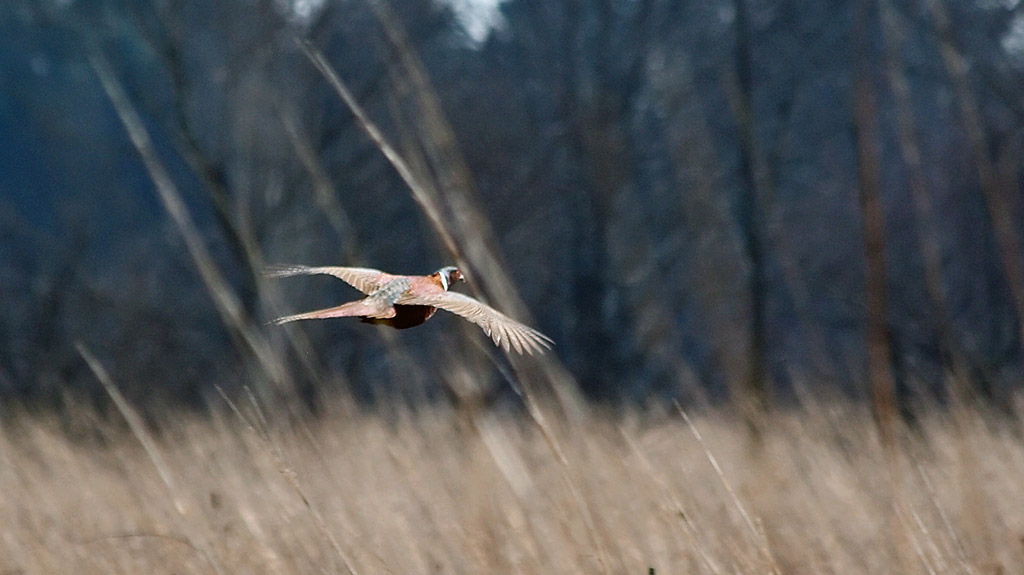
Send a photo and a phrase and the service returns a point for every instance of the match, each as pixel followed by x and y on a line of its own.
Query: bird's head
pixel 448 276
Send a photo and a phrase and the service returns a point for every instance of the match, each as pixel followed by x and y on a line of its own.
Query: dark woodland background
pixel 693 199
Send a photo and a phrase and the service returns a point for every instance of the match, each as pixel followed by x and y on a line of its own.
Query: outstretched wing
pixel 505 331
pixel 365 280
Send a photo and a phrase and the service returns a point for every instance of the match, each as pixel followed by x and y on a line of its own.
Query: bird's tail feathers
pixel 360 308
pixel 287 270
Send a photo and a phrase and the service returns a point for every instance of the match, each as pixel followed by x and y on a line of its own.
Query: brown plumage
pixel 406 301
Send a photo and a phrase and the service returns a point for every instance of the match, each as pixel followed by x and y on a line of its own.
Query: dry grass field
pixel 444 491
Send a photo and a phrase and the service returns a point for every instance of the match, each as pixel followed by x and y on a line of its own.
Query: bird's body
pixel 407 301
pixel 406 316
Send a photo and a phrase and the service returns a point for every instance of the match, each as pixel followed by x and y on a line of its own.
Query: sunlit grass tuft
pixel 439 491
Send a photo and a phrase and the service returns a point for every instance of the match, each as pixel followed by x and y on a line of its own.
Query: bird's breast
pixel 406 316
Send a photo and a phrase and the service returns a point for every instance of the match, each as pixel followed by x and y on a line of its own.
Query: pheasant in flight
pixel 407 301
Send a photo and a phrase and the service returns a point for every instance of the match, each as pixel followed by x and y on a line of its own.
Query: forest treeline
pixel 695 200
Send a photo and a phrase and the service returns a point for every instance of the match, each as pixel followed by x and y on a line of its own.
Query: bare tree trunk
pixel 873 225
pixel 601 142
pixel 713 270
pixel 999 206
pixel 880 377
pixel 596 110
pixel 927 234
pixel 752 212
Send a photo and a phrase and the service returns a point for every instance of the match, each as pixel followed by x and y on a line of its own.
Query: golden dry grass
pixel 442 492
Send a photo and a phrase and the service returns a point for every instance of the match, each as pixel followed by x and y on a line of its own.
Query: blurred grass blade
pixel 224 298
pixel 757 533
pixel 138 428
